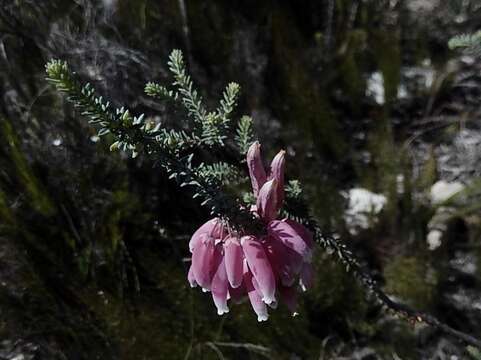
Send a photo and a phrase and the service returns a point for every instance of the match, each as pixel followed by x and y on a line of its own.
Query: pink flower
pixel 266 268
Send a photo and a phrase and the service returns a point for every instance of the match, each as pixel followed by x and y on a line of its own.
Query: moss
pixel 350 68
pixel 411 279
pixel 40 201
pixel 382 174
pixel 325 201
pixel 429 173
pixel 396 336
pixel 144 329
pixel 337 305
pixel 386 46
pixel 6 214
pixel 301 101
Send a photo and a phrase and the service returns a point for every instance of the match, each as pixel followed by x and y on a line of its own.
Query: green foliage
pixel 210 127
pixel 171 148
pixel 160 92
pixel 219 172
pixel 293 189
pixel 127 129
pixel 411 279
pixel 188 95
pixel 245 135
pixel 468 43
pixel 474 353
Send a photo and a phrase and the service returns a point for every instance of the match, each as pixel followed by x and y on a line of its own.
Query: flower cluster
pixel 265 267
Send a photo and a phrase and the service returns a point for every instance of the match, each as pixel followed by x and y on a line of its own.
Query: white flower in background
pixel 364 205
pixel 375 87
pixel 440 192
pixel 443 190
pixel 434 239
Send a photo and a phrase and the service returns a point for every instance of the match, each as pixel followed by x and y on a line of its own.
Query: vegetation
pixel 95 243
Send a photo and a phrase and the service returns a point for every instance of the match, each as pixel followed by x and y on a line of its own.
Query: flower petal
pixel 305 234
pixel 306 280
pixel 285 262
pixel 255 297
pixel 256 168
pixel 260 267
pixel 219 288
pixel 203 261
pixel 287 234
pixel 272 304
pixel 277 169
pixel 213 227
pixel 233 261
pixel 267 201
pixel 191 277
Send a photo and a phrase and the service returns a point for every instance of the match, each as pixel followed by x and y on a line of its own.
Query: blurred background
pixel 381 123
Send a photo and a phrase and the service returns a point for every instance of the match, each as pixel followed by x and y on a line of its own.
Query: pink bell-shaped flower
pixel 264 269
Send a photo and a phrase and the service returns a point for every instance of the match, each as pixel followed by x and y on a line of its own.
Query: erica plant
pixel 258 243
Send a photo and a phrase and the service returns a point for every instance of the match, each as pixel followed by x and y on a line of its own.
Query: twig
pixel 352 265
pixel 212 346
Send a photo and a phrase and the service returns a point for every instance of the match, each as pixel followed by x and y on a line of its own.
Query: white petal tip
pixel 193 285
pixel 295 313
pixel 268 301
pixel 261 318
pixel 222 311
pixel 235 286
pixel 205 290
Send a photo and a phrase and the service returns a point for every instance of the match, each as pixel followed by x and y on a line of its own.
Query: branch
pixel 133 134
pixel 346 257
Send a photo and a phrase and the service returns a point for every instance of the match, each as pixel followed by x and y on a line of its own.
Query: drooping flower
pixel 265 268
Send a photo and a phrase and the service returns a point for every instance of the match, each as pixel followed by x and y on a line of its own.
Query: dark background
pixel 93 246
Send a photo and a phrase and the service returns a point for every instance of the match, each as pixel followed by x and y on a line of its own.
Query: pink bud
pixel 257 172
pixel 267 201
pixel 277 169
